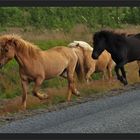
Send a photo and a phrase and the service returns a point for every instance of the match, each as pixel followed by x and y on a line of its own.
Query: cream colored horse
pixel 37 65
pixel 104 62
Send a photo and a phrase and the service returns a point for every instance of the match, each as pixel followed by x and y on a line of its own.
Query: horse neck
pixel 111 47
pixel 23 59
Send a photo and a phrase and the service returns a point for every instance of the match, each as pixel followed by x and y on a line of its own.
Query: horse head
pixel 7 51
pixel 99 43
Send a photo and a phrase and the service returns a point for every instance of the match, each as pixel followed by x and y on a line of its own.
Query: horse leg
pixel 89 73
pixel 25 90
pixel 38 82
pixel 124 75
pixel 104 75
pixel 119 77
pixel 109 71
pixel 71 85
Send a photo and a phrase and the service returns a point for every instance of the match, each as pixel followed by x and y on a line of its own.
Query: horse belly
pixel 133 55
pixel 55 69
pixel 53 73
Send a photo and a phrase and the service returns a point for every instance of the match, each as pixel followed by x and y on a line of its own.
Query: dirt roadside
pixel 29 113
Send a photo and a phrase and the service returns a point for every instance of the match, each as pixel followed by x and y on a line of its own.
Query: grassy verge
pixel 50 43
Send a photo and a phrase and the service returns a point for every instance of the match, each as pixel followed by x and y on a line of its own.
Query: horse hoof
pixel 125 83
pixel 68 101
pixel 45 96
pixel 77 93
pixel 42 96
pixel 22 108
pixel 121 79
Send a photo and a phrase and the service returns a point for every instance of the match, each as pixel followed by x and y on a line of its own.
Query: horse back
pixel 65 52
pixel 56 60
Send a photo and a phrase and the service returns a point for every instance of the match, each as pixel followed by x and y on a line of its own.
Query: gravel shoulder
pixel 30 113
pixel 114 114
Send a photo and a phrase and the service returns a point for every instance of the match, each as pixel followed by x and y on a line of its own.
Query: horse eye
pixel 6 50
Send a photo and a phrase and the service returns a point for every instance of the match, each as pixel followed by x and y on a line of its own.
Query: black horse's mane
pixel 134 35
pixel 109 36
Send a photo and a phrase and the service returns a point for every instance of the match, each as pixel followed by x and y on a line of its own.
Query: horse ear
pixel 11 42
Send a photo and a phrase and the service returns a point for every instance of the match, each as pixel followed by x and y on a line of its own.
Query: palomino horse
pixel 37 65
pixel 123 49
pixel 103 63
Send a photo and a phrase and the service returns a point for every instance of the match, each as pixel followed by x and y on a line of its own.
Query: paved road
pixel 108 115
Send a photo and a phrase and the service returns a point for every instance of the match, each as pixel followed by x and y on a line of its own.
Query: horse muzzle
pixel 95 55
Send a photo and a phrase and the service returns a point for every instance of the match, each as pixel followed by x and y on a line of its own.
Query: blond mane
pixel 21 45
pixel 82 44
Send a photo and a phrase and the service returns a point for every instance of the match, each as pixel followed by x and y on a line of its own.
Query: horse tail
pixel 80 71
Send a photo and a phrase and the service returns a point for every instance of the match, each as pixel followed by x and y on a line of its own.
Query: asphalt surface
pixel 117 114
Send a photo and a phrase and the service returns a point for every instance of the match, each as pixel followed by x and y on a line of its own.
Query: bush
pixel 66 17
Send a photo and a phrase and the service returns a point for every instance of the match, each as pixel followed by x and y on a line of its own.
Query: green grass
pixel 50 43
pixel 57 82
pixel 97 76
pixel 58 99
pixel 36 106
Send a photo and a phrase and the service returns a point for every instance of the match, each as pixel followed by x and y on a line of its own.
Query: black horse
pixel 123 49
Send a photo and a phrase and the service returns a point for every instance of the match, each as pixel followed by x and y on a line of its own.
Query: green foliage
pixel 64 18
pixel 50 43
pixel 10 81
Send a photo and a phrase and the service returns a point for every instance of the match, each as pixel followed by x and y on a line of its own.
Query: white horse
pixel 103 63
